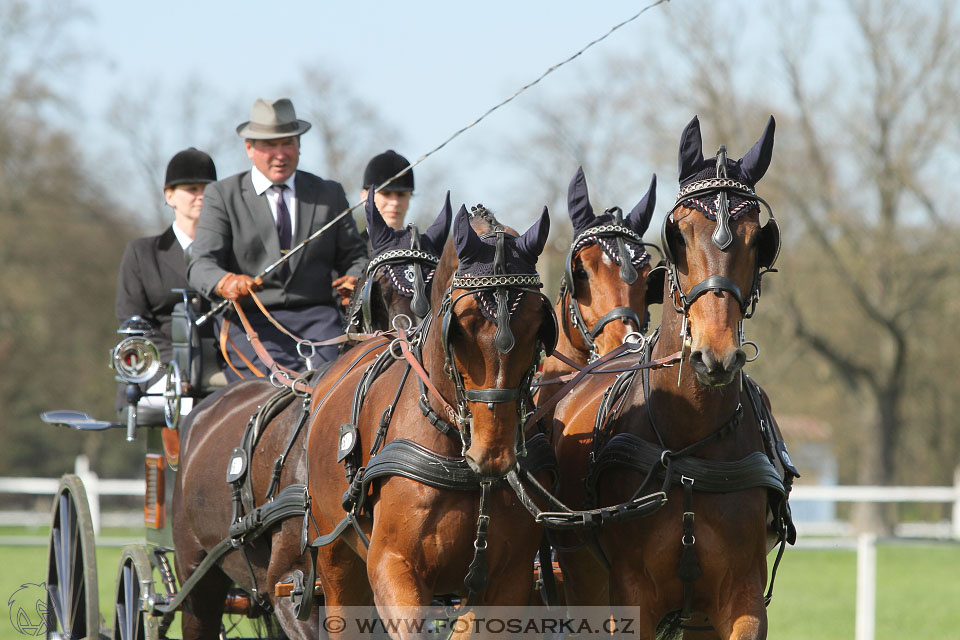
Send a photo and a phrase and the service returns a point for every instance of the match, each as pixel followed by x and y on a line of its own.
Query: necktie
pixel 283 218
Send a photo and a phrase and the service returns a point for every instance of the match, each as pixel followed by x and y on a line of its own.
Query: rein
pixel 279 375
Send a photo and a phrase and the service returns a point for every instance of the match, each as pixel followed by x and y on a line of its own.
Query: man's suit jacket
pixel 150 268
pixel 237 234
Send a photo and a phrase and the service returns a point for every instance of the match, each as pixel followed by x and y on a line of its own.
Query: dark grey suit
pixel 237 234
pixel 150 268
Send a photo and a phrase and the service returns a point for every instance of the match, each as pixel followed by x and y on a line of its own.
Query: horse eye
pixel 580 273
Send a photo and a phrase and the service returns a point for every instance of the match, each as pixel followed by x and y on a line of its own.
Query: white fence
pixel 865 543
pixel 94 486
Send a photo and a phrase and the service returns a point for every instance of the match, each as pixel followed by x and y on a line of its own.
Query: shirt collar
pixel 261 182
pixel 182 237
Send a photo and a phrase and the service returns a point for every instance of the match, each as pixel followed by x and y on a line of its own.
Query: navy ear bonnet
pixel 384 239
pixel 584 219
pixel 748 170
pixel 480 258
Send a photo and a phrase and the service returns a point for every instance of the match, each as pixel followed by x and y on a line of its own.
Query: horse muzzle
pixel 714 370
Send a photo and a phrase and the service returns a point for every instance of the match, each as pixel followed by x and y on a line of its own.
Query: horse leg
pixel 202 609
pixel 585 578
pixel 399 590
pixel 742 617
pixel 346 592
pixel 285 558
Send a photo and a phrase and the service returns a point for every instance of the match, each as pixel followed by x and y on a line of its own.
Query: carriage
pixel 471 502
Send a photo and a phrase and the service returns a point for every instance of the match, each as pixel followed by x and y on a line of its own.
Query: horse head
pixel 494 323
pixel 717 250
pixel 599 284
pixel 398 277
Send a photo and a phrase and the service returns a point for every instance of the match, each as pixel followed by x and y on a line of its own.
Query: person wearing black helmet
pixel 393 198
pixel 152 267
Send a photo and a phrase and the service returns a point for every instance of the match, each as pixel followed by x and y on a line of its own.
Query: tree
pixel 860 183
pixel 58 245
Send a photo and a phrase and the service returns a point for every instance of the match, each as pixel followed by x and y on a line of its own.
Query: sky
pixel 430 67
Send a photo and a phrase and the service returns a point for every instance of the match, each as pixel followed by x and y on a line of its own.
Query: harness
pixel 410 271
pixel 612 238
pixel 406 458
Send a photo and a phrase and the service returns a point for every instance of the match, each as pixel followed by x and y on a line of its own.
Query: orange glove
pixel 345 286
pixel 235 286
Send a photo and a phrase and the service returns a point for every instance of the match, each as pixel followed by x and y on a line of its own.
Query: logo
pixel 28 609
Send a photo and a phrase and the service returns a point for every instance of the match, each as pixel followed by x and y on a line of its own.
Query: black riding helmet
pixel 383 167
pixel 190 166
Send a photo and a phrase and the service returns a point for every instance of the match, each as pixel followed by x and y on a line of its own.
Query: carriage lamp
pixel 136 359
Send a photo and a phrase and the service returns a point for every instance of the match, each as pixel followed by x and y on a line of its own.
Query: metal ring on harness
pixel 396 348
pixel 635 338
pixel 402 322
pixel 303 352
pixel 275 380
pixel 756 349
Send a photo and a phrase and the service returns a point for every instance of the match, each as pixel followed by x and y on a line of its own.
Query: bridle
pixel 629 264
pixel 414 283
pixel 500 283
pixel 722 238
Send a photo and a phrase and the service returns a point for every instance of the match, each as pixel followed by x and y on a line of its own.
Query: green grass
pixel 814 597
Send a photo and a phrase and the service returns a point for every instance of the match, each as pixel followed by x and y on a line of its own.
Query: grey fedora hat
pixel 270 119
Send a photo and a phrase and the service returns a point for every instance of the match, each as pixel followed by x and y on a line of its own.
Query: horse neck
pixel 699 408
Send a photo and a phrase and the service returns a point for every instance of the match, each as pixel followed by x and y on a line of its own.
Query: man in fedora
pixel 250 219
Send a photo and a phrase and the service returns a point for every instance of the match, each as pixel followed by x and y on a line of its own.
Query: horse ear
pixel 578 203
pixel 691 149
pixel 465 239
pixel 755 163
pixel 639 217
pixel 534 239
pixel 437 234
pixel 380 234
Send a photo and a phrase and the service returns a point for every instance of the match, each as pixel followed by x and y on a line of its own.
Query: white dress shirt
pixel 261 184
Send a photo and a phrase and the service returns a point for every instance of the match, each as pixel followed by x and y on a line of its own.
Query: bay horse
pixel 204 510
pixel 423 453
pixel 701 432
pixel 599 287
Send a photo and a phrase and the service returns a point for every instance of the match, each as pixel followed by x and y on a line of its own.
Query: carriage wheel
pixel 130 621
pixel 72 608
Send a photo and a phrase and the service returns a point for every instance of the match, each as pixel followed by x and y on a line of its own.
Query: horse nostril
pixel 696 357
pixel 735 360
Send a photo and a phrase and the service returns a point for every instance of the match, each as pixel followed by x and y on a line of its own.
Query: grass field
pixel 814 599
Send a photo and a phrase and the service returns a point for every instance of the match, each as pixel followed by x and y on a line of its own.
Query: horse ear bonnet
pixel 382 237
pixel 433 239
pixel 578 204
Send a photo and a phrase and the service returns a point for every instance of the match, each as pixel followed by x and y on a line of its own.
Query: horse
pixel 417 509
pixel 598 286
pixel 207 511
pixel 702 432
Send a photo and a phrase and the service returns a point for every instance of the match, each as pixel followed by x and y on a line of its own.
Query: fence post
pixel 91 482
pixel 866 586
pixel 956 503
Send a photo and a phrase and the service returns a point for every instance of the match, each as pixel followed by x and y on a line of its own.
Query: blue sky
pixel 431 67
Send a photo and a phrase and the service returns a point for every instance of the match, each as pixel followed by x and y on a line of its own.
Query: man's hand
pixel 345 286
pixel 235 286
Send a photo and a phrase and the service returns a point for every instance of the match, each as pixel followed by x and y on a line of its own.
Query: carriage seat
pixel 195 348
